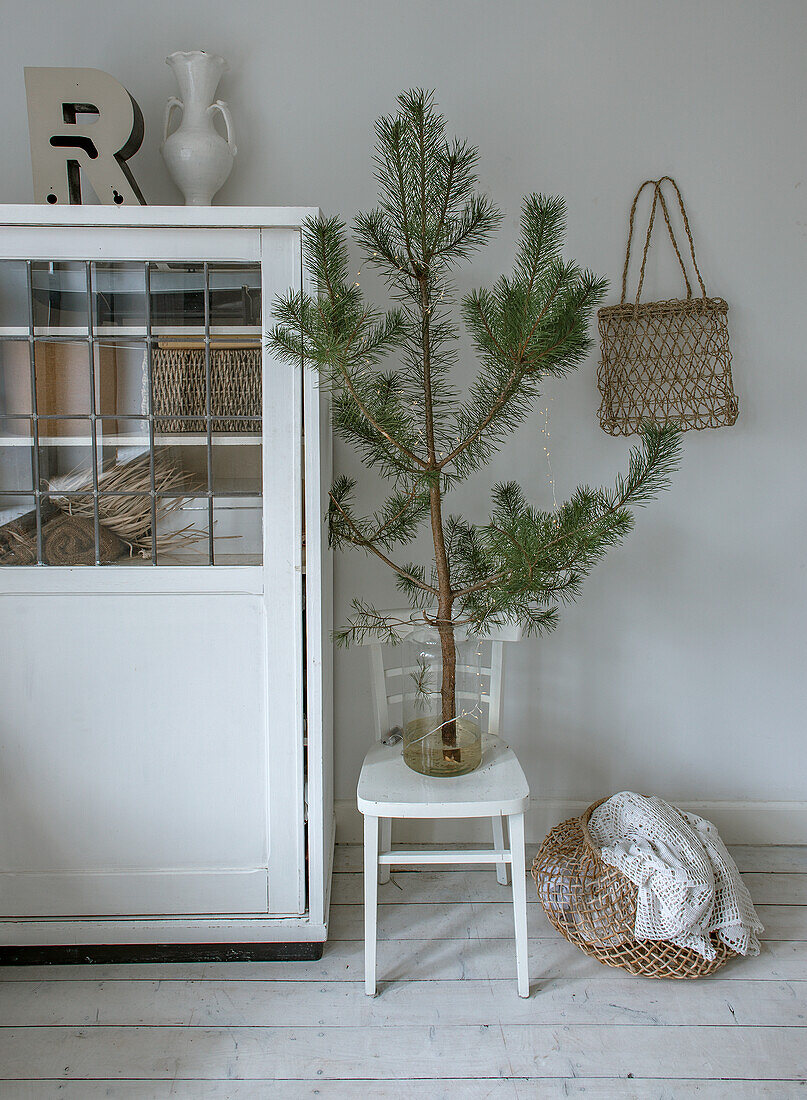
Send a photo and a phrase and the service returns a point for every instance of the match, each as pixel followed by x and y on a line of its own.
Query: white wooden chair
pixel 388 789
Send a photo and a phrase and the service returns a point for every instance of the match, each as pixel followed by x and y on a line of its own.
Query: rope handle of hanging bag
pixel 658 199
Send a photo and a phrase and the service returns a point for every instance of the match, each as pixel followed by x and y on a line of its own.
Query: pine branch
pixel 342 338
pixel 528 326
pixel 365 620
pixel 351 532
pixel 547 555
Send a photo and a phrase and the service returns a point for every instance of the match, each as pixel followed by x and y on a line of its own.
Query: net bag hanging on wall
pixel 665 361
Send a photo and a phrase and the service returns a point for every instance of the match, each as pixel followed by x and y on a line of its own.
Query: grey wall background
pixel 681 670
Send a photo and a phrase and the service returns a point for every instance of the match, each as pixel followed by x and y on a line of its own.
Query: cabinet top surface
pixel 195 217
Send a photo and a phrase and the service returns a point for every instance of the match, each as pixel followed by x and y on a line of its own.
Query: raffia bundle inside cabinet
pixel 165 590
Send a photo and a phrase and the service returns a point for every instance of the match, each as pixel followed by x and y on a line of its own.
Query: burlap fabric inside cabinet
pixel 66 540
pixel 63 385
pixel 179 387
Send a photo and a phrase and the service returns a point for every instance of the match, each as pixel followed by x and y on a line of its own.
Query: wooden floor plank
pixel 752 1053
pixel 783 922
pixel 776 888
pixel 620 1000
pixel 769 857
pixel 233 1053
pixel 412 1052
pixel 657 1089
pixel 453 1089
pixel 486 1089
pixel 416 887
pixel 489 920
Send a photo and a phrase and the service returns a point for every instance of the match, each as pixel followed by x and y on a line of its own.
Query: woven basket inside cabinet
pixel 593 906
pixel 668 361
pixel 179 378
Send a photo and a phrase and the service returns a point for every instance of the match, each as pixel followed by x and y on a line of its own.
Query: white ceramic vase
pixel 199 159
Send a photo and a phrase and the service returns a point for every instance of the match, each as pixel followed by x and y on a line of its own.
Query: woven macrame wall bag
pixel 668 361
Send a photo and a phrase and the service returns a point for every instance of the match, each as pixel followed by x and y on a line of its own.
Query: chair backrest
pixel 387 683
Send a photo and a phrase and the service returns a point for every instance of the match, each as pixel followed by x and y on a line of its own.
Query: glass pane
pixel 125 521
pixel 13 297
pixel 17 531
pixel 179 377
pixel 177 296
pixel 62 379
pixel 60 297
pixel 180 456
pixel 237 459
pixel 15 378
pixel 179 374
pixel 237 530
pixel 68 530
pixel 119 296
pixel 121 378
pixel 65 451
pixel 180 430
pixel 235 295
pixel 123 443
pixel 16 455
pixel 182 531
pixel 180 470
pixel 182 464
pixel 235 382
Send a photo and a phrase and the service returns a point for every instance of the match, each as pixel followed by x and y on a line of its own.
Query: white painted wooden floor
pixel 447 1021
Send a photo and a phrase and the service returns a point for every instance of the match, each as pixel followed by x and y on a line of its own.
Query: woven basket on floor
pixel 594 906
pixel 665 361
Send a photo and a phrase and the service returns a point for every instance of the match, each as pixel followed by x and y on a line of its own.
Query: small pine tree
pixel 410 424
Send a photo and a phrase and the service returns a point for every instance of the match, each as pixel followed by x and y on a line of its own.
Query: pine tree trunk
pixel 445 626
pixel 448 695
pixel 445 629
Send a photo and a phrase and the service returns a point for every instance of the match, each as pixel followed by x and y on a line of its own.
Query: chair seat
pixel 388 788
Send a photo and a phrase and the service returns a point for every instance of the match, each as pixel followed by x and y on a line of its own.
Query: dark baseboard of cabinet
pixel 160 953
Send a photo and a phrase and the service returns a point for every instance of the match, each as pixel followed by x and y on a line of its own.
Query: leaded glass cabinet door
pixel 130 401
pixel 151 574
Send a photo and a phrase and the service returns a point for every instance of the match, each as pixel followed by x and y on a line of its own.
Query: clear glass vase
pixel 442 702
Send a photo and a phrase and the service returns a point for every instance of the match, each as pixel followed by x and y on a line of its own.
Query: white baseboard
pixel 737 822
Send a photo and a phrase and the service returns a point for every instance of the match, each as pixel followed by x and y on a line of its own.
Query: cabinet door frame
pixel 281 266
pixel 149 234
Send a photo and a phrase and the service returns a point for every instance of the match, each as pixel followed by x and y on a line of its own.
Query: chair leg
pixel 515 824
pixel 499 844
pixel 386 846
pixel 370 901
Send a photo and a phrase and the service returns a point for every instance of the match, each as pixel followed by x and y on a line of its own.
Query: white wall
pixel 681 668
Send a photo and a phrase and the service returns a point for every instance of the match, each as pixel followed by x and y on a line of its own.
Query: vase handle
pixel 224 110
pixel 172 102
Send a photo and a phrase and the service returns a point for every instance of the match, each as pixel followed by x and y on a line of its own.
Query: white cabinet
pixel 165 702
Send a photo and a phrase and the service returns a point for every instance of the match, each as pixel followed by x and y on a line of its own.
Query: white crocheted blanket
pixel 688 884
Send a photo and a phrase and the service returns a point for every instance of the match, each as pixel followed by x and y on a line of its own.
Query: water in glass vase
pixel 425 750
pixel 442 704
